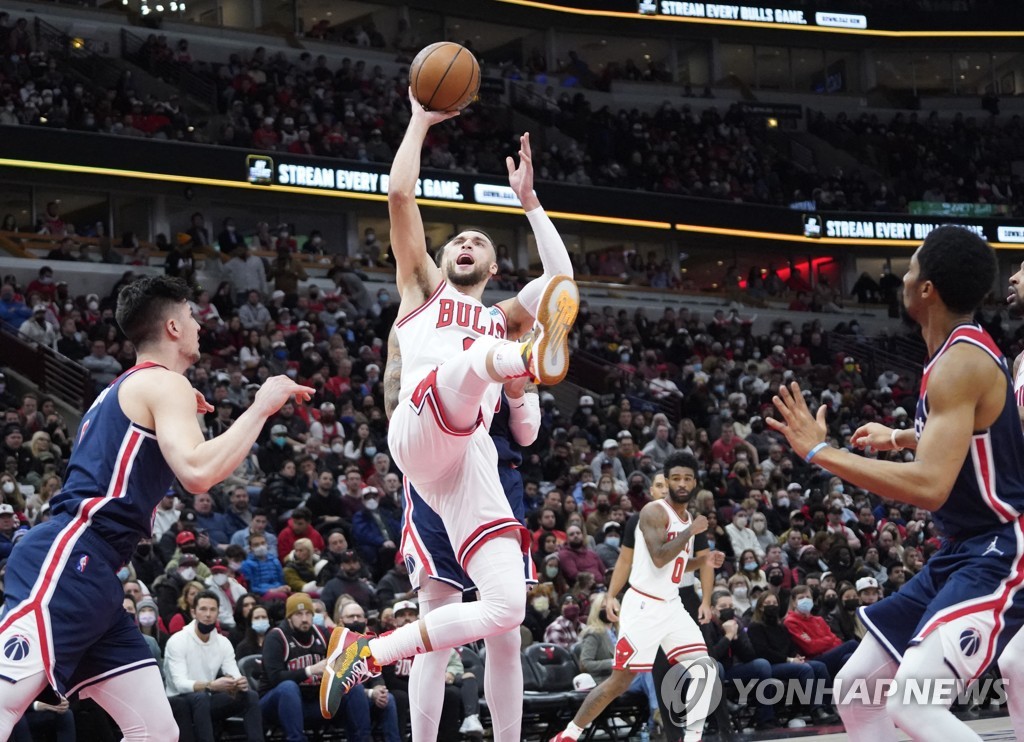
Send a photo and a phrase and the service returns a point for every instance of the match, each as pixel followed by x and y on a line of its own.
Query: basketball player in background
pixel 957 614
pixel 439 580
pixel 705 562
pixel 139 435
pixel 455 358
pixel 1011 661
pixel 652 615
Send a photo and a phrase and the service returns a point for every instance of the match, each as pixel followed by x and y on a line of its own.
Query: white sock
pixel 572 731
pixel 402 642
pixel 508 360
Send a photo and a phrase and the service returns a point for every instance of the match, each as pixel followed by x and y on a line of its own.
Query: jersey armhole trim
pixel 437 292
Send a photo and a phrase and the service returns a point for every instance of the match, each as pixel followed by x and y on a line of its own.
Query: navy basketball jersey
pixel 116 474
pixel 989 490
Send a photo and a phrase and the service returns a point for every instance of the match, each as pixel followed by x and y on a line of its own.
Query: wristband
pixel 813 452
pixel 892 439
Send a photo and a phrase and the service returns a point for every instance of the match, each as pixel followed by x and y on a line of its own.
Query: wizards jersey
pixel 989 490
pixel 116 474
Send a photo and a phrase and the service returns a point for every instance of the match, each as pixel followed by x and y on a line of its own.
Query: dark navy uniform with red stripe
pixel 969 591
pixel 63 613
pixel 425 544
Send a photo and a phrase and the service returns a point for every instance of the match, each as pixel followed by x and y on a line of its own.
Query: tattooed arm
pixel 392 374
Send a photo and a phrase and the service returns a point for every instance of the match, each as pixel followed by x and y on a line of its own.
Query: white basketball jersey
pixel 439 329
pixel 660 582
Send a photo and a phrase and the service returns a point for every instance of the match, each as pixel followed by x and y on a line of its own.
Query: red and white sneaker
pixel 349 663
pixel 546 353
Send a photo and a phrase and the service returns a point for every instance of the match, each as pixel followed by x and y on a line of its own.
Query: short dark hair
pixel 205 594
pixel 302 514
pixel 960 264
pixel 142 306
pixel 682 459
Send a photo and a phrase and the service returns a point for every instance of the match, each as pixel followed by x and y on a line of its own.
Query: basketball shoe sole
pixel 349 663
pixel 546 354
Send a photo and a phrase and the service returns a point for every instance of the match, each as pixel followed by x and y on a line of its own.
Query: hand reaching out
pixel 873 435
pixel 428 117
pixel 202 406
pixel 802 429
pixel 521 178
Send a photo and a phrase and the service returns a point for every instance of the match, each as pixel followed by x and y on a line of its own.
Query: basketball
pixel 444 76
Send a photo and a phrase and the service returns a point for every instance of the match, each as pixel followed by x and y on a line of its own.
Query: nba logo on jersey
pixel 83 561
pixel 970 641
pixel 16 648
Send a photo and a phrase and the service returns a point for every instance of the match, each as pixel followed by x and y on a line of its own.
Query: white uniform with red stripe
pixel 454 470
pixel 652 614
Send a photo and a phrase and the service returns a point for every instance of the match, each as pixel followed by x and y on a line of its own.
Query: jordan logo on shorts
pixel 992 548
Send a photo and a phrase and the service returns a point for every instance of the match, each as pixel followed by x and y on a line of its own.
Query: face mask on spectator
pixel 357 626
pixel 741 522
pixel 8 488
pixel 280 440
pixel 281 354
pixel 851 604
pixel 612 541
pixel 726 614
pixel 551 572
pixel 122 574
pixel 541 604
pixel 205 628
pixel 260 552
pixel 370 450
pixel 782 502
pixel 261 625
pixel 571 612
pixel 830 603
pixel 805 605
pixel 291 373
pixel 220 580
pixel 147 618
pixel 750 566
pixel 319 620
pixel 740 592
pixel 187 573
pixel 771 613
pixel 370 504
pixel 338 448
pixel 93 306
pixel 235 566
pixel 776 579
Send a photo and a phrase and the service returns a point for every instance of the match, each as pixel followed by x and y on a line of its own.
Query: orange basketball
pixel 444 76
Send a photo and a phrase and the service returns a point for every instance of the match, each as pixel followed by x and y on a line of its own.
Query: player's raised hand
pixel 873 435
pixel 428 117
pixel 521 178
pixel 699 525
pixel 716 558
pixel 202 406
pixel 802 429
pixel 279 389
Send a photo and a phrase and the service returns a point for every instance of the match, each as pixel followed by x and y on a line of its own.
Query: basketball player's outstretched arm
pixel 654 527
pixel 553 255
pixel 166 400
pixel 966 392
pixel 417 275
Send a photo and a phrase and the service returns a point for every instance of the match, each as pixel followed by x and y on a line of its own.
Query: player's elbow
pixel 399 198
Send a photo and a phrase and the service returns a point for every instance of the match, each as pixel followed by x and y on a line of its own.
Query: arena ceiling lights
pixel 755 16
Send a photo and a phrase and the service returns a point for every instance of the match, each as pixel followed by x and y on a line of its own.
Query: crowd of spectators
pixel 358 112
pixel 315 511
pixel 960 160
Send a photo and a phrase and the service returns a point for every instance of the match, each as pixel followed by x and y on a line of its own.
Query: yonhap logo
pixel 686 684
pixel 260 169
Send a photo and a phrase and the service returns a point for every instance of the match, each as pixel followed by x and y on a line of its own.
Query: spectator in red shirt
pixel 574 557
pixel 724 449
pixel 548 521
pixel 265 137
pixel 812 635
pixel 299 526
pixel 797 355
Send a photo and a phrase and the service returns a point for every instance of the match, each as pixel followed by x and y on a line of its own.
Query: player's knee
pixel 159 728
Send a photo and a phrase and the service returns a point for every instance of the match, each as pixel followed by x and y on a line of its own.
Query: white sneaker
pixel 471 725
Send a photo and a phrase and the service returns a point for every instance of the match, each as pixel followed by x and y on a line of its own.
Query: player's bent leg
pixel 926 665
pixel 1011 667
pixel 137 703
pixel 426 679
pixel 864 714
pixel 15 698
pixel 353 658
pixel 503 685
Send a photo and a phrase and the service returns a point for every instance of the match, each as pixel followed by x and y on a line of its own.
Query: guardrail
pixel 53 373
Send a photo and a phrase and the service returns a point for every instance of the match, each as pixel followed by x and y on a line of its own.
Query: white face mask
pixel 8 488
pixel 220 580
pixel 187 573
pixel 370 504
pixel 338 448
pixel 147 619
